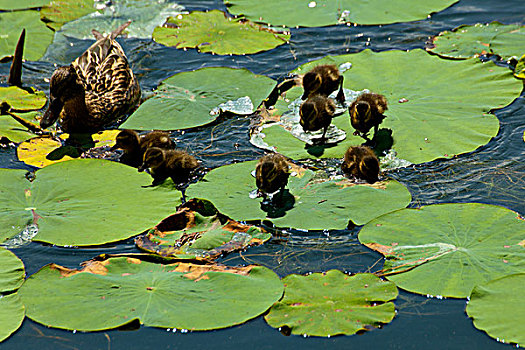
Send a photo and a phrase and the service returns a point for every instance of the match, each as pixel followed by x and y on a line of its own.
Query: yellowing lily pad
pixel 215 32
pixel 110 293
pixel 519 71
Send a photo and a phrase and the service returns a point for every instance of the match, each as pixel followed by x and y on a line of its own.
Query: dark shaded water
pixel 495 174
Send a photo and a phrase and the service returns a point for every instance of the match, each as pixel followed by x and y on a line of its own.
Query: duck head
pixel 311 82
pixel 153 158
pixel 127 140
pixel 362 109
pixel 308 112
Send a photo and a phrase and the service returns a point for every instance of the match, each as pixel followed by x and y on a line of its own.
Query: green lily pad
pixel 214 32
pixel 519 71
pixel 12 313
pixel 11 271
pixel 197 231
pixel 145 17
pixel 22 4
pixel 497 308
pixel 81 202
pixel 22 100
pixel 38 36
pixel 447 249
pixel 474 40
pixel 331 303
pixel 13 130
pixel 58 12
pixel 317 203
pixel 110 293
pixel 432 109
pixel 307 13
pixel 188 99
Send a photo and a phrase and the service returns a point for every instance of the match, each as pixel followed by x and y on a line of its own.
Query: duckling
pixel 362 163
pixel 168 163
pixel 317 113
pixel 271 173
pixel 95 90
pixel 367 112
pixel 134 145
pixel 323 80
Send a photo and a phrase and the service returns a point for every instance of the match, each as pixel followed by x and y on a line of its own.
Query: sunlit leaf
pixel 11 271
pixel 110 293
pixel 12 313
pixel 519 71
pixel 58 12
pixel 11 278
pixel 13 130
pixel 22 4
pixel 22 100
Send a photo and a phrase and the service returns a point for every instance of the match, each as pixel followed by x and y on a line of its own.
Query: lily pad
pixel 11 278
pixel 11 271
pixel 13 130
pixel 331 303
pixel 145 17
pixel 313 203
pixel 58 12
pixel 12 313
pixel 292 13
pixel 436 115
pixel 214 32
pixel 110 293
pixel 38 36
pixel 187 99
pixel 447 249
pixel 81 202
pixel 22 100
pixel 474 40
pixel 197 231
pixel 36 151
pixel 519 71
pixel 22 4
pixel 497 308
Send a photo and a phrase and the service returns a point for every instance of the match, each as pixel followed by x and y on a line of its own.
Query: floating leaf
pixel 197 231
pixel 58 12
pixel 13 130
pixel 446 113
pixel 11 278
pixel 38 36
pixel 474 40
pixel 12 313
pixel 82 202
pixel 519 71
pixel 447 249
pixel 110 293
pixel 497 308
pixel 22 4
pixel 292 13
pixel 331 303
pixel 187 99
pixel 213 32
pixel 311 204
pixel 145 17
pixel 22 100
pixel 11 271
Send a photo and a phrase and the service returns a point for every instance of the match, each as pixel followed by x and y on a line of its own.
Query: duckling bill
pixel 162 164
pixel 361 162
pixel 316 113
pixel 135 145
pixel 367 112
pixel 271 173
pixel 323 80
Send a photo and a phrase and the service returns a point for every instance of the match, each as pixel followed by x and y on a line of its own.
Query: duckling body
pixel 362 163
pixel 367 112
pixel 323 80
pixel 316 113
pixel 271 173
pixel 168 163
pixel 95 90
pixel 135 145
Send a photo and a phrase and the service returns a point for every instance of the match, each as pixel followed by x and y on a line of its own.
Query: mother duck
pixel 95 90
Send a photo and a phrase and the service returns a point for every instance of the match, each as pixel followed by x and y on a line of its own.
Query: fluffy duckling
pixel 271 173
pixel 367 112
pixel 134 145
pixel 316 113
pixel 362 163
pixel 95 90
pixel 323 80
pixel 168 163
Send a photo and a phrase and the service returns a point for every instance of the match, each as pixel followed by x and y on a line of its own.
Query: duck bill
pixel 115 147
pixel 52 113
pixel 142 168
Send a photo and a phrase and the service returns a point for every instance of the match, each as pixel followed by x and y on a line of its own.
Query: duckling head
pixel 308 111
pixel 311 82
pixel 369 169
pixel 362 110
pixel 127 140
pixel 153 158
pixel 64 86
pixel 266 175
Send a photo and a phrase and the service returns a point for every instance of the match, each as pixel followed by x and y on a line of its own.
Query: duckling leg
pixel 341 95
pixel 323 138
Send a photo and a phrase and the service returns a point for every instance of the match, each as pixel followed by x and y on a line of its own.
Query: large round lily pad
pixel 22 100
pixel 214 32
pixel 436 108
pixel 82 202
pixel 58 12
pixel 331 303
pixel 197 231
pixel 12 313
pixel 447 249
pixel 307 13
pixel 497 308
pixel 473 40
pixel 38 36
pixel 187 99
pixel 11 278
pixel 22 4
pixel 107 294
pixel 317 204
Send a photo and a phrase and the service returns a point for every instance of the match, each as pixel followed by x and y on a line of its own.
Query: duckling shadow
pixel 279 205
pixel 381 142
pixel 63 151
pixel 73 147
pixel 317 149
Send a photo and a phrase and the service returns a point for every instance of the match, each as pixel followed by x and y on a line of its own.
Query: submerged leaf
pixel 58 12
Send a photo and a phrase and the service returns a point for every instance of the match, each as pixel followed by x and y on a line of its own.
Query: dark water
pixel 495 173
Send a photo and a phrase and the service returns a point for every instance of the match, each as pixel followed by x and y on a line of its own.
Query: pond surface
pixel 495 174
